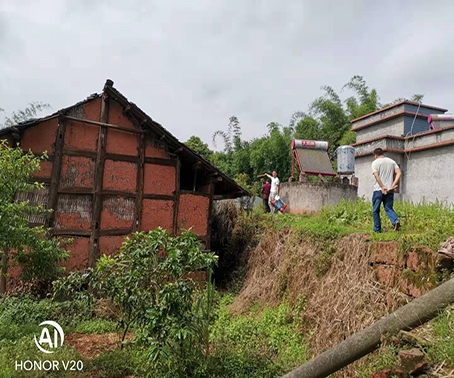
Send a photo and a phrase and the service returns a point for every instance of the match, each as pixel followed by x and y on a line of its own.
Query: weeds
pixel 263 343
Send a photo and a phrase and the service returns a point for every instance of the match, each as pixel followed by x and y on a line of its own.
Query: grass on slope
pixel 426 224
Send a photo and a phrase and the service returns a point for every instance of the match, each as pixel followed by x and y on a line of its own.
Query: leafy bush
pixel 153 282
pixel 38 255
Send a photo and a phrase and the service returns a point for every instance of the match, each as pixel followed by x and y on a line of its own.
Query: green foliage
pixel 150 282
pixel 20 315
pixel 235 157
pixel 23 349
pixel 442 349
pixel 196 144
pixel 272 152
pixel 116 364
pixel 259 344
pixel 27 246
pixel 328 118
pixel 24 115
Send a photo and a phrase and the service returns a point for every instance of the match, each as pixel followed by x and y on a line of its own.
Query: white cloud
pixel 191 65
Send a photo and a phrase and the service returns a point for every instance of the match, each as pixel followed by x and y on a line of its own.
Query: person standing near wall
pixel 275 183
pixel 384 169
pixel 266 189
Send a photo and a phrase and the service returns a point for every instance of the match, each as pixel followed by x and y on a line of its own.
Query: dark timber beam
pixel 139 186
pixel 210 216
pixel 56 171
pixel 176 201
pixel 104 124
pixel 99 174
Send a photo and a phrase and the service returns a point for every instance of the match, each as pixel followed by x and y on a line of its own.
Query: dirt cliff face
pixel 343 285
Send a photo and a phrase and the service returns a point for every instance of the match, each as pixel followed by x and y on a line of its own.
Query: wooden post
pixel 195 179
pixel 362 343
pixel 56 171
pixel 176 201
pixel 99 174
pixel 210 215
pixel 140 175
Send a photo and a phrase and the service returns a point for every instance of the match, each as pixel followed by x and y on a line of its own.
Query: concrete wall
pixel 377 116
pixel 430 175
pixel 425 160
pixel 394 126
pixel 304 197
pixel 384 143
pixel 398 126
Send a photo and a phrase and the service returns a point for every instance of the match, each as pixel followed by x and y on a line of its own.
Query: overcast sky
pixel 190 65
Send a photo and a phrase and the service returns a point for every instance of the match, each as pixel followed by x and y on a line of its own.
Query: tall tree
pixel 329 116
pixel 197 145
pixel 235 157
pixel 272 152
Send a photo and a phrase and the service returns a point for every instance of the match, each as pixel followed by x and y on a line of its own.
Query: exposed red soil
pixel 92 345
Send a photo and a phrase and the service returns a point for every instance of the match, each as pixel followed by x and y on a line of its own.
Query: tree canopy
pixel 327 118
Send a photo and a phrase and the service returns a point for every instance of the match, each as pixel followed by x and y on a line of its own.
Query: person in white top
pixel 275 183
pixel 387 175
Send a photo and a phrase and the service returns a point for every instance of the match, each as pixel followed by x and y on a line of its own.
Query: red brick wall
pixel 92 110
pixel 193 212
pixel 74 211
pixel 157 213
pixel 120 175
pixel 117 212
pixel 41 137
pixel 122 142
pixel 81 136
pixel 109 245
pixel 159 179
pixel 116 116
pixel 79 250
pixel 45 171
pixel 77 171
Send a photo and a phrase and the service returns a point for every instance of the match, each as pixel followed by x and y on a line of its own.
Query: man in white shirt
pixel 384 169
pixel 275 183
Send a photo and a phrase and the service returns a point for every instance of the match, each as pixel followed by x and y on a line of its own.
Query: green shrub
pixel 19 243
pixel 261 344
pixel 150 283
pixel 22 315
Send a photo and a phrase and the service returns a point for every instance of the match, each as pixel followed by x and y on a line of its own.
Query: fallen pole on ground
pixel 362 343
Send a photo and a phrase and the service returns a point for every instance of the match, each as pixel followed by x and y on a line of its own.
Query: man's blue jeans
pixel 388 202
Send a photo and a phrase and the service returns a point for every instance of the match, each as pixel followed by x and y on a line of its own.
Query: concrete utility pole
pixel 406 318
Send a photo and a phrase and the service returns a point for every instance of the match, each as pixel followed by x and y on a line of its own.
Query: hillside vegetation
pixel 288 287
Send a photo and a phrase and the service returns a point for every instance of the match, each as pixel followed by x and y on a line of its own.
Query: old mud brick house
pixel 112 170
